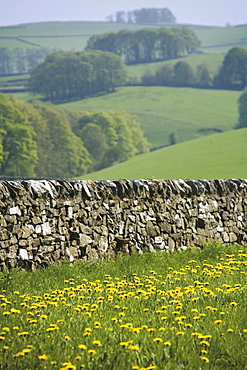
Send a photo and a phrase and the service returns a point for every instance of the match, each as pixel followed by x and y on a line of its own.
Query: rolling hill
pixel 188 113
pixel 216 156
pixel 74 35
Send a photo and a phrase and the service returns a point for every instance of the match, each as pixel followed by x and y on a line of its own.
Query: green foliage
pixel 205 158
pixel 183 74
pixel 43 140
pixel 67 76
pixel 65 154
pixel 152 311
pixel 144 15
pixel 110 137
pixel 20 60
pixel 18 151
pixel 233 73
pixel 242 108
pixel 146 45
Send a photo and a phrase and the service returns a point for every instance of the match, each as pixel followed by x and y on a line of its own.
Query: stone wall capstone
pixel 42 222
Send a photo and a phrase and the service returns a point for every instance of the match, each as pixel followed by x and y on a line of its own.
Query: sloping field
pixel 217 156
pixel 74 35
pixel 186 112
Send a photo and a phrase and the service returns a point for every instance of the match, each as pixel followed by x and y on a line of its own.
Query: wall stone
pixel 42 222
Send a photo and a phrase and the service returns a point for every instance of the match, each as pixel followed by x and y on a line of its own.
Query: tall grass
pixel 152 311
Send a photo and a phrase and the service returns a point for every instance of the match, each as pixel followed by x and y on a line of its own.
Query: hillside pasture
pixel 73 35
pixel 217 156
pixel 186 112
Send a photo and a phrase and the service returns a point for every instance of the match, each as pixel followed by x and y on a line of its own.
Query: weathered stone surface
pixel 42 222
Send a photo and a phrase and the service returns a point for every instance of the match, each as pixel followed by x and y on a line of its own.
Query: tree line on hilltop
pixel 146 45
pixel 41 140
pixel 144 15
pixel 68 75
pixel 21 60
pixel 231 75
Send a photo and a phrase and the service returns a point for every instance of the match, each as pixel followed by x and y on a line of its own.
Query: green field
pixel 217 156
pixel 154 311
pixel 74 35
pixel 163 110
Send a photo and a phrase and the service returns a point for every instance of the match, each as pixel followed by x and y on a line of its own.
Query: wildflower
pixel 157 340
pixel 67 337
pixel 180 333
pixel 43 357
pixel 23 333
pixel 218 321
pixel 5 329
pixel 233 304
pixel 91 351
pixel 134 348
pixel 97 343
pixel 230 330
pixel 167 343
pixel 204 358
pixel 244 330
pixel 82 346
pixel 27 350
pixel 205 342
pixel 18 354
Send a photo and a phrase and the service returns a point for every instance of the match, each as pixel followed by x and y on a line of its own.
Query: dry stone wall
pixel 42 222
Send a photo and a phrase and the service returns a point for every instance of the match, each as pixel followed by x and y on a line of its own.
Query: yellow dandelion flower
pixel 82 346
pixel 97 343
pixel 157 340
pixel 218 321
pixel 133 348
pixel 167 343
pixel 18 354
pixel 230 330
pixel 244 330
pixel 23 333
pixel 67 337
pixel 43 357
pixel 27 350
pixel 180 333
pixel 205 343
pixel 92 351
pixel 233 304
pixel 204 358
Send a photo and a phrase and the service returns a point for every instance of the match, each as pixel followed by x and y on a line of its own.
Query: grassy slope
pixel 163 110
pixel 74 35
pixel 217 156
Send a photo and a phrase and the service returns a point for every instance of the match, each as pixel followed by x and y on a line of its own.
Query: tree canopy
pixel 242 109
pixel 144 15
pixel 146 45
pixel 65 76
pixel 233 72
pixel 43 140
pixel 21 60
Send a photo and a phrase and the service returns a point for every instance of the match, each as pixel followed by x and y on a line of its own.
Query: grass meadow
pixel 217 156
pixel 188 112
pixel 154 311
